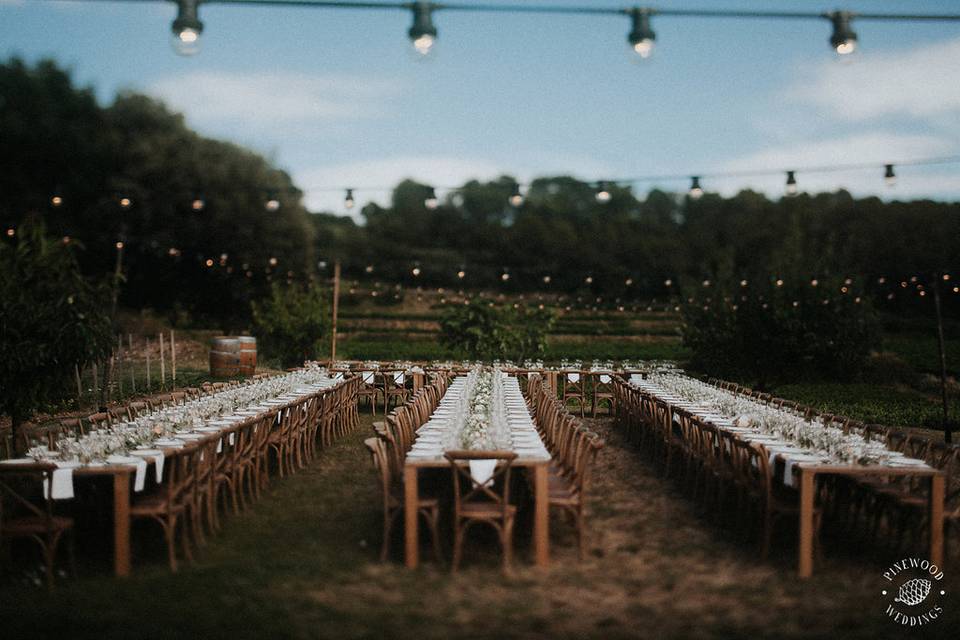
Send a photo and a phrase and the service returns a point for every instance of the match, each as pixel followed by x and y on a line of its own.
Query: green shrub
pixel 780 332
pixel 51 319
pixel 292 323
pixel 482 332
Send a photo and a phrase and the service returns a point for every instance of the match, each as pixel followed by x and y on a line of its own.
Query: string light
pixel 273 204
pixel 696 191
pixel 546 279
pixel 516 198
pixel 461 274
pixel 641 36
pixel 431 202
pixel 791 188
pixel 187 28
pixel 198 204
pixel 843 39
pixel 603 193
pixel 415 271
pixel 56 200
pixel 889 176
pixel 125 203
pixel 348 201
pixel 422 33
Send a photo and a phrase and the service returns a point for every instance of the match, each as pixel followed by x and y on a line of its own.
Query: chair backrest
pixel 467 491
pixel 381 463
pixel 22 492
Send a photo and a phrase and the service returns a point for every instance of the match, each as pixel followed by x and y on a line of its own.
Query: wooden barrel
pixel 248 355
pixel 224 357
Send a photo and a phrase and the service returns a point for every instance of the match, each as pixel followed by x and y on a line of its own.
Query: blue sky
pixel 336 98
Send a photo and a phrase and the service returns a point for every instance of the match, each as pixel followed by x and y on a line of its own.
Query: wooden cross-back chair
pixel 392 494
pixel 27 511
pixel 488 503
pixel 172 504
pixel 603 393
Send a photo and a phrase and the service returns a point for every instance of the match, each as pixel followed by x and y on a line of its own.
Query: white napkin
pixel 398 377
pixel 62 482
pixel 573 377
pixel 153 454
pixel 789 463
pixel 367 377
pixel 604 378
pixel 141 475
pixel 481 471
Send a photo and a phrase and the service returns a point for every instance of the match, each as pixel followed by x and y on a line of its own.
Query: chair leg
pixel 457 547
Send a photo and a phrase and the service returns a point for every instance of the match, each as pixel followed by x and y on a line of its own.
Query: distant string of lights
pixel 416 273
pixel 603 189
pixel 187 26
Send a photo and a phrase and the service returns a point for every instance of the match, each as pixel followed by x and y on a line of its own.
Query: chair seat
pixel 483 510
pixel 154 504
pixel 33 525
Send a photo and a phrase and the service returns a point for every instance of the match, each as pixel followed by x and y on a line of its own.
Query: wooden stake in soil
pixel 173 359
pixel 76 373
pixel 148 364
pixel 133 369
pixel 120 364
pixel 336 304
pixel 947 426
pixel 163 365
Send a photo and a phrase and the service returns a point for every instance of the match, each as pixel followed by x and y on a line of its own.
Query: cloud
pixel 921 83
pixel 274 101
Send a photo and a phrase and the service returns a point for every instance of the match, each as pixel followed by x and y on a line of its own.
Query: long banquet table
pixel 531 454
pixel 801 470
pixel 123 474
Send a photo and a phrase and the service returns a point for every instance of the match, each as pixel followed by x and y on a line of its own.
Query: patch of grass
pixel 302 564
pixel 895 405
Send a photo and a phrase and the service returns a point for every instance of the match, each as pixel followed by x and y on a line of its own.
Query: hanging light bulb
pixel 348 202
pixel 889 176
pixel 516 198
pixel 422 33
pixel 641 36
pixel 603 193
pixel 56 200
pixel 844 38
pixel 273 204
pixel 791 189
pixel 187 28
pixel 431 202
pixel 125 202
pixel 696 192
pixel 198 204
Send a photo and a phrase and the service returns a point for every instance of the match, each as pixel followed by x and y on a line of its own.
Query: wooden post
pixel 947 427
pixel 163 365
pixel 336 305
pixel 173 359
pixel 76 373
pixel 119 364
pixel 148 364
pixel 133 370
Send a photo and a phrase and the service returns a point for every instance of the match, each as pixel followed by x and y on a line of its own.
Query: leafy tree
pixel 482 332
pixel 292 323
pixel 51 319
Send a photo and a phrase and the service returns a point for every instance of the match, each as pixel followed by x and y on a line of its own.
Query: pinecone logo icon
pixel 913 592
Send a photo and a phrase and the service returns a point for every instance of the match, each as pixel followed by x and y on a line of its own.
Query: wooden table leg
pixel 410 533
pixel 541 517
pixel 936 519
pixel 807 491
pixel 121 523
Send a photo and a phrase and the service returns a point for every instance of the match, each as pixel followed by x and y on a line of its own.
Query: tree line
pixel 211 262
